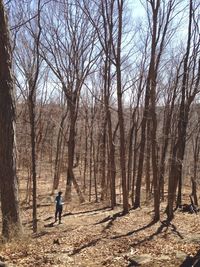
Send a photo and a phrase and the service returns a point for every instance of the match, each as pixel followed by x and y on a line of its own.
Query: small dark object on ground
pixel 56 241
pixel 49 224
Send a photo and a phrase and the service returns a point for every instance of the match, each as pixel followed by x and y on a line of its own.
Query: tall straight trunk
pixel 91 158
pixel 71 151
pixel 59 144
pixel 108 125
pixel 142 150
pixel 166 131
pixel 150 111
pixel 184 110
pixel 179 148
pixel 120 110
pixel 71 148
pixel 95 160
pixel 33 155
pixel 172 183
pixel 8 180
pixel 194 189
pixel 155 170
pixel 56 177
pixel 167 122
pixel 32 82
pixel 180 156
pixel 134 165
pixel 112 166
pixel 183 122
pixel 133 129
pixel 196 151
pixel 103 161
pixel 152 84
pixel 85 152
pixel 148 161
pixel 130 155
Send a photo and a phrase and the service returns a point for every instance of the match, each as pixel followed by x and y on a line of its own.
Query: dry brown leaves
pixel 94 236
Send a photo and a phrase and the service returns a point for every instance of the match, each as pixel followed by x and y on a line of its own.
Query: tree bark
pixel 11 224
pixel 59 144
pixel 120 110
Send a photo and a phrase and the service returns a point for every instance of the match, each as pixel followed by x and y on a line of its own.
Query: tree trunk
pixel 142 150
pixel 58 153
pixel 95 160
pixel 130 155
pixel 172 184
pixel 33 159
pixel 152 84
pixel 103 160
pixel 11 224
pixel 196 151
pixel 148 162
pixel 91 157
pixel 71 148
pixel 166 130
pixel 134 165
pixel 72 104
pixel 112 166
pixel 86 151
pixel 120 110
pixel 179 149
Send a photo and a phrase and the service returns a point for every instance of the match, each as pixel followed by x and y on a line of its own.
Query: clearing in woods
pixel 91 234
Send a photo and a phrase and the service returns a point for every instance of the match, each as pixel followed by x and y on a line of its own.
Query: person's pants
pixel 58 213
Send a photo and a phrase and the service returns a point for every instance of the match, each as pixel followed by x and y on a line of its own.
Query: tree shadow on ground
pixel 91 211
pixel 42 233
pixel 80 213
pixel 161 229
pixel 48 218
pixel 52 224
pixel 135 231
pixel 89 244
pixel 25 208
pixel 110 219
pixel 192 261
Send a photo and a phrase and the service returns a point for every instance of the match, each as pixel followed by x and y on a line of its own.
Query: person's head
pixel 60 193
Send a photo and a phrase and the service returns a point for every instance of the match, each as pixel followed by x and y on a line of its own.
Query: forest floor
pixel 91 234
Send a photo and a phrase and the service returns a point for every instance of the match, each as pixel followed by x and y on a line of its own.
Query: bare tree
pixel 59 145
pixel 160 16
pixel 68 49
pixel 196 154
pixel 28 65
pixel 8 179
pixel 189 89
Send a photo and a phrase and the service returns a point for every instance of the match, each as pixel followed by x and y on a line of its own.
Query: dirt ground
pixel 93 235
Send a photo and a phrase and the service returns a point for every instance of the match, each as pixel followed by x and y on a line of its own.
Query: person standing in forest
pixel 59 207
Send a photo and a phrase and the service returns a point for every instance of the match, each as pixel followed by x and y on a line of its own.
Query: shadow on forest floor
pixel 80 213
pixel 89 244
pixel 91 211
pixel 74 214
pixel 52 224
pixel 25 208
pixel 192 261
pixel 110 219
pixel 161 229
